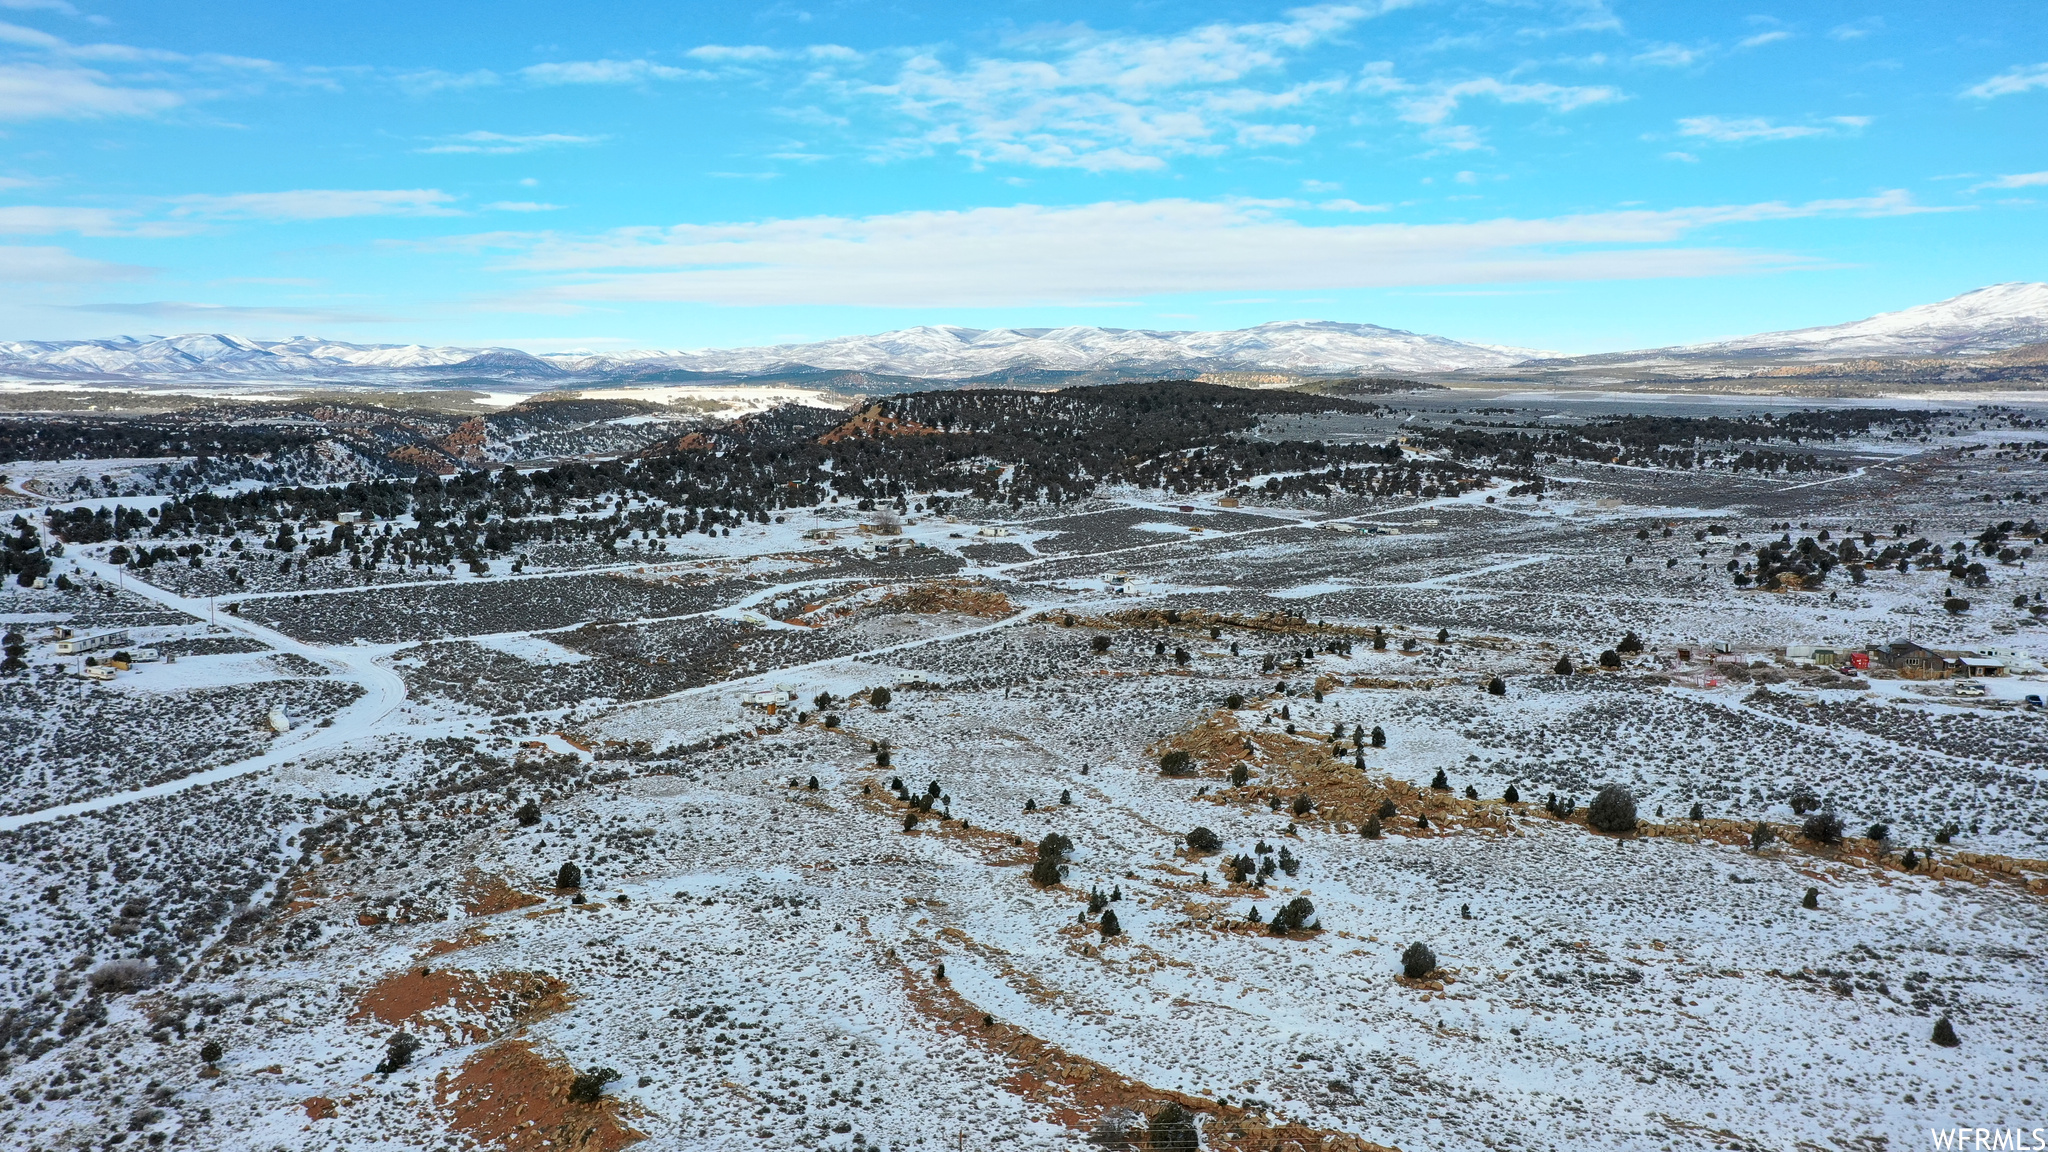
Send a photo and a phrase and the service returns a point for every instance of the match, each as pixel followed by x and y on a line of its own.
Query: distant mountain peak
pixel 1988 319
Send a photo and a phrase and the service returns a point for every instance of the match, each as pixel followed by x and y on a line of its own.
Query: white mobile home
pixel 92 642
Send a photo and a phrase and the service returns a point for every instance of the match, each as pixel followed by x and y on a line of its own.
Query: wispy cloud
pixel 501 144
pixel 604 72
pixel 431 81
pixel 1857 29
pixel 316 204
pixel 2016 180
pixel 46 92
pixel 1076 98
pixel 520 206
pixel 2011 82
pixel 51 265
pixel 1745 129
pixel 1669 56
pixel 1124 249
pixel 1763 38
pixel 224 315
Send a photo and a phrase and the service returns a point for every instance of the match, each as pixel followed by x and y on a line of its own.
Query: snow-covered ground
pixel 769 964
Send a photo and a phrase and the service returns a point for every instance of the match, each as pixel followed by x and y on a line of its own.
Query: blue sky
pixel 1576 176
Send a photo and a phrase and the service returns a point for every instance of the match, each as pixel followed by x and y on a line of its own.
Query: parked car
pixel 2034 700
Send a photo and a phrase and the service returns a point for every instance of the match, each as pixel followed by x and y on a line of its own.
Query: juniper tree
pixel 211 1052
pixel 814 784
pixel 879 698
pixel 398 1052
pixel 1945 1034
pixel 588 1087
pixel 1303 805
pixel 1203 841
pixel 569 876
pixel 1371 831
pixel 1471 793
pixel 1417 961
pixel 1563 667
pixel 1176 763
pixel 1497 686
pixel 1442 782
pixel 1613 809
pixel 1053 849
pixel 1100 644
pixel 1811 899
pixel 1511 796
pixel 1761 835
pixel 1110 927
pixel 1387 810
pixel 1823 827
pixel 1699 812
pixel 1066 797
pixel 528 814
pixel 1292 916
pixel 1610 660
pixel 1239 774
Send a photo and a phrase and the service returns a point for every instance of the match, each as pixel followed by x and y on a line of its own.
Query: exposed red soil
pixel 513 1097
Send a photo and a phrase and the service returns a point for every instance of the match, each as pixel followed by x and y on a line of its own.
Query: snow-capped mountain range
pixel 944 353
pixel 1986 320
pixel 1989 319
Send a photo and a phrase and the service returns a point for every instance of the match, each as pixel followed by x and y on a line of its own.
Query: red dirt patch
pixel 872 421
pixel 1078 1090
pixel 949 596
pixel 318 1108
pixel 467 1007
pixel 513 1097
pixel 483 895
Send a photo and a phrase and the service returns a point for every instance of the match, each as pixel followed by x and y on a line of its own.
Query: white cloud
pixel 1669 56
pixel 1763 38
pixel 224 315
pixel 431 81
pixel 1082 99
pixel 500 144
pixel 520 206
pixel 1435 105
pixel 39 5
pixel 1344 204
pixel 2011 82
pixel 2016 180
pixel 603 72
pixel 1682 157
pixel 1743 129
pixel 40 92
pixel 1857 29
pixel 1123 249
pixel 317 204
pixel 722 53
pixel 45 265
pixel 29 219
